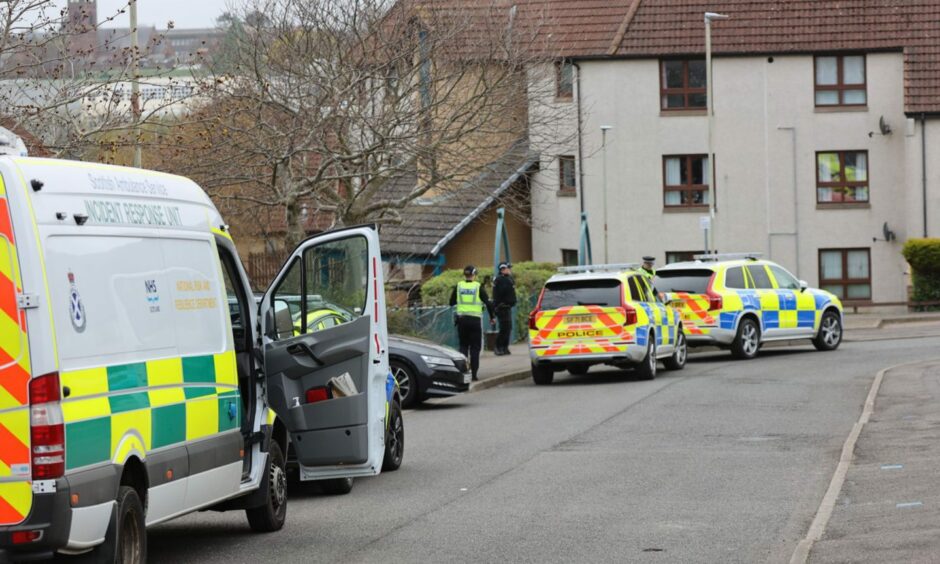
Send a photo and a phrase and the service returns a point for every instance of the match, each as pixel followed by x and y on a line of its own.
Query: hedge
pixel 924 257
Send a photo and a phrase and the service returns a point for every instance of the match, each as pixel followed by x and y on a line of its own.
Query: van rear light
pixel 25 537
pixel 715 301
pixel 315 395
pixel 532 317
pixel 47 427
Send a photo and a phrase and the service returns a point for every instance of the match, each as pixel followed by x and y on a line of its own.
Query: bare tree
pixel 324 107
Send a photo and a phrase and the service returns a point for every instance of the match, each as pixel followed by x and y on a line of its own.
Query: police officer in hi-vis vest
pixel 470 299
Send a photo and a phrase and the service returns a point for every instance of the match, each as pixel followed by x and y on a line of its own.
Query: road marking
pixel 910 504
pixel 818 526
pixel 892 466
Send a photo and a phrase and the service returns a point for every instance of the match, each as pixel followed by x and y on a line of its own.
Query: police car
pixel 602 314
pixel 739 301
pixel 139 381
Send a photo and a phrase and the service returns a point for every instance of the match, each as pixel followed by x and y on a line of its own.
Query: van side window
pixel 759 275
pixel 734 278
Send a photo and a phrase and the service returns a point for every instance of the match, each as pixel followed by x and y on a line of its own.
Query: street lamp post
pixel 710 109
pixel 604 130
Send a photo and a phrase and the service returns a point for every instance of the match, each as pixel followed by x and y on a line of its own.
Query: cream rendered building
pixel 818 151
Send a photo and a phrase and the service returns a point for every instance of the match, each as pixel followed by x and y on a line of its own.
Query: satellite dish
pixel 884 126
pixel 888 234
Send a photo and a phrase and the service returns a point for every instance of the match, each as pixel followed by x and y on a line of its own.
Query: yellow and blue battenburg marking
pixel 147 406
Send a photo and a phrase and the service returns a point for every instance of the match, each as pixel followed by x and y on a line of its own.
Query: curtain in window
pixel 856 167
pixel 831 265
pixel 853 70
pixel 827 71
pixel 858 264
pixel 673 172
pixel 828 164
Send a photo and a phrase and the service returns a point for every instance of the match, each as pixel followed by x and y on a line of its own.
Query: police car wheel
pixel 579 369
pixel 542 375
pixel 747 341
pixel 830 332
pixel 126 538
pixel 646 370
pixel 270 516
pixel 678 358
pixel 394 439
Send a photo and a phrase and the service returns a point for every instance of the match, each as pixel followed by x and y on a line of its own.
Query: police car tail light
pixel 714 299
pixel 47 427
pixel 629 315
pixel 532 317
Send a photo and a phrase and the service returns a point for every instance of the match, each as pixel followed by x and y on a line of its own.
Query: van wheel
pixel 542 375
pixel 747 341
pixel 270 516
pixel 394 439
pixel 646 370
pixel 579 369
pixel 678 358
pixel 126 539
pixel 336 486
pixel 830 332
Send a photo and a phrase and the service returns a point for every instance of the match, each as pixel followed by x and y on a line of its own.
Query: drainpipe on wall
pixel 923 164
pixel 580 151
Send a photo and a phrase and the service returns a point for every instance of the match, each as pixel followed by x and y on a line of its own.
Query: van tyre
pixel 270 516
pixel 747 341
pixel 542 375
pixel 646 370
pixel 394 439
pixel 336 486
pixel 678 358
pixel 126 539
pixel 830 332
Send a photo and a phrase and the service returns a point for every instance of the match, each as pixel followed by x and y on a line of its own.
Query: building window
pixel 842 176
pixel 569 257
pixel 685 180
pixel 564 80
pixel 846 273
pixel 567 175
pixel 681 256
pixel 682 84
pixel 840 80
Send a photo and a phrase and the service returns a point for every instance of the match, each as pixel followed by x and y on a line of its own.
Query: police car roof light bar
pixel 728 256
pixel 599 267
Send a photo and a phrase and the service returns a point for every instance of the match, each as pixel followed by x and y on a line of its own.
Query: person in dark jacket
pixel 470 298
pixel 504 299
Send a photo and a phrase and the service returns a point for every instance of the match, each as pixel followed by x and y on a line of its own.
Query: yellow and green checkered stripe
pixel 114 410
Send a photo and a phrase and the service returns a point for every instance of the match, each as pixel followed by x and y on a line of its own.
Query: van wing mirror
pixel 283 323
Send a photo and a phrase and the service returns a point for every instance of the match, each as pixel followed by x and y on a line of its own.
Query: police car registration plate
pixel 466 378
pixel 579 318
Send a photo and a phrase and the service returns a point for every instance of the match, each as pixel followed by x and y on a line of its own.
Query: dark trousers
pixel 504 317
pixel 470 334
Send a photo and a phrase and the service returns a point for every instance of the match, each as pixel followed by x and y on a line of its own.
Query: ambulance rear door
pixel 327 384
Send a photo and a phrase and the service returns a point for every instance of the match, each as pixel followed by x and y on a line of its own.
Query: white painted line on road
pixel 463 489
pixel 910 504
pixel 892 466
pixel 818 526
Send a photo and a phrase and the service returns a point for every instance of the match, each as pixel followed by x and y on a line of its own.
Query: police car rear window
pixel 692 281
pixel 605 293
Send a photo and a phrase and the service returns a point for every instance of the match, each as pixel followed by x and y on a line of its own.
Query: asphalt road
pixel 725 461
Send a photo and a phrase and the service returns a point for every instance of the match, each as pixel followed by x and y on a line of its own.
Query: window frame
pixel 562 187
pixel 682 256
pixel 688 187
pixel 844 183
pixel 566 95
pixel 840 86
pixel 685 91
pixel 846 282
pixel 567 252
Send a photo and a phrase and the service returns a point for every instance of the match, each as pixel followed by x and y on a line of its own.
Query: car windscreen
pixel 692 281
pixel 605 293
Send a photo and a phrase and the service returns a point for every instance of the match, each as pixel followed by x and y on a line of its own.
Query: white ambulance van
pixel 140 382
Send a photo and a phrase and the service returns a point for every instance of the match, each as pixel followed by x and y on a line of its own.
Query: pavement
pixel 888 509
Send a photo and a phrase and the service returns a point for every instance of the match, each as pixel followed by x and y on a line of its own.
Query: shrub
pixel 924 257
pixel 530 277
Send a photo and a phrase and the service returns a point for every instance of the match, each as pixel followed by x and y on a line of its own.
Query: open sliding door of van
pixel 327 381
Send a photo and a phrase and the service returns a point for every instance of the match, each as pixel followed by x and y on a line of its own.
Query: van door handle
pixel 303 348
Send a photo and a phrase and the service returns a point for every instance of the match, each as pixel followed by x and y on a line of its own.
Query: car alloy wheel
pixel 749 339
pixel 407 384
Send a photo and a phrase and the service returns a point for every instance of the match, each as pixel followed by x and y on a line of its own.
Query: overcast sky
pixel 184 13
